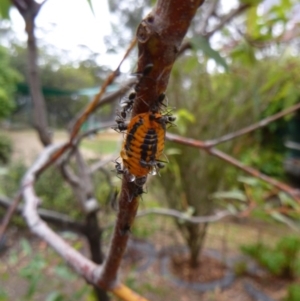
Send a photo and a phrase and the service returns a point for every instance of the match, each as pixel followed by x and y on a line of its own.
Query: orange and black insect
pixel 144 143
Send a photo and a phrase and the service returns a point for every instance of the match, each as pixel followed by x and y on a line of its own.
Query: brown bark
pixel 159 38
pixel 29 9
pixel 195 242
pixel 82 186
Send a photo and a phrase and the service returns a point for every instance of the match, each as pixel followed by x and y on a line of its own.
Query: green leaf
pixel 3 295
pixel 248 180
pixel 183 119
pixel 203 44
pixel 91 6
pixel 231 209
pixel 3 171
pixel 251 21
pixel 186 115
pixel 64 272
pixel 173 151
pixel 252 2
pixel 26 247
pixel 190 64
pixel 55 296
pixel 283 219
pixel 287 200
pixel 4 8
pixel 234 194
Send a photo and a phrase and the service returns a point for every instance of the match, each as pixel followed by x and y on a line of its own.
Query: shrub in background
pixel 5 149
pixel 282 260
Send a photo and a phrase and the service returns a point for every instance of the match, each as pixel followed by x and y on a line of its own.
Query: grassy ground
pixel 27 146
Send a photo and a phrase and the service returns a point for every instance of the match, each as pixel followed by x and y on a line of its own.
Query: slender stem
pixel 9 213
pixel 159 38
pixel 252 127
pixel 294 193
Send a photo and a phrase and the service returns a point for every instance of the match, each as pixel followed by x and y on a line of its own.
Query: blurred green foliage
pixel 212 102
pixel 265 200
pixel 53 190
pixel 6 149
pixel 4 9
pixel 11 179
pixel 282 260
pixel 56 74
pixel 8 80
pixel 36 270
pixel 211 105
pixel 266 160
pixel 293 293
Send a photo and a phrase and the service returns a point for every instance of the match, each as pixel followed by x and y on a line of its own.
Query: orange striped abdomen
pixel 144 143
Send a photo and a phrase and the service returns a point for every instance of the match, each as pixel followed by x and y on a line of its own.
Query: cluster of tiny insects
pixel 144 139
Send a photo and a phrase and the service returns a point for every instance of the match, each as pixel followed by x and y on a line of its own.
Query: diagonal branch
pixel 83 266
pixel 57 219
pixel 159 38
pixel 95 103
pixel 9 213
pixel 227 18
pixel 252 127
pixel 88 110
pixel 211 10
pixel 106 99
pixel 294 193
pixel 186 217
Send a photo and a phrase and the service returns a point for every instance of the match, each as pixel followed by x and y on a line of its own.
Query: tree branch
pixel 227 18
pixel 212 6
pixel 84 267
pixel 253 127
pixel 58 219
pixel 294 193
pixel 29 9
pixel 159 38
pixel 9 213
pixel 69 175
pixel 186 217
pixel 100 164
pixel 107 99
pixel 88 110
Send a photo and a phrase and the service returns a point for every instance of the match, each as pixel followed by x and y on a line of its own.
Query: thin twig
pixel 95 130
pixel 69 175
pixel 94 104
pixel 212 6
pixel 253 127
pixel 88 110
pixel 186 217
pixel 294 193
pixel 9 213
pixel 100 164
pixel 108 99
pixel 228 17
pixel 58 219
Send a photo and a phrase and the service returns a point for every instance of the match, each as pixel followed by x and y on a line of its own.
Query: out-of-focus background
pixel 240 65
